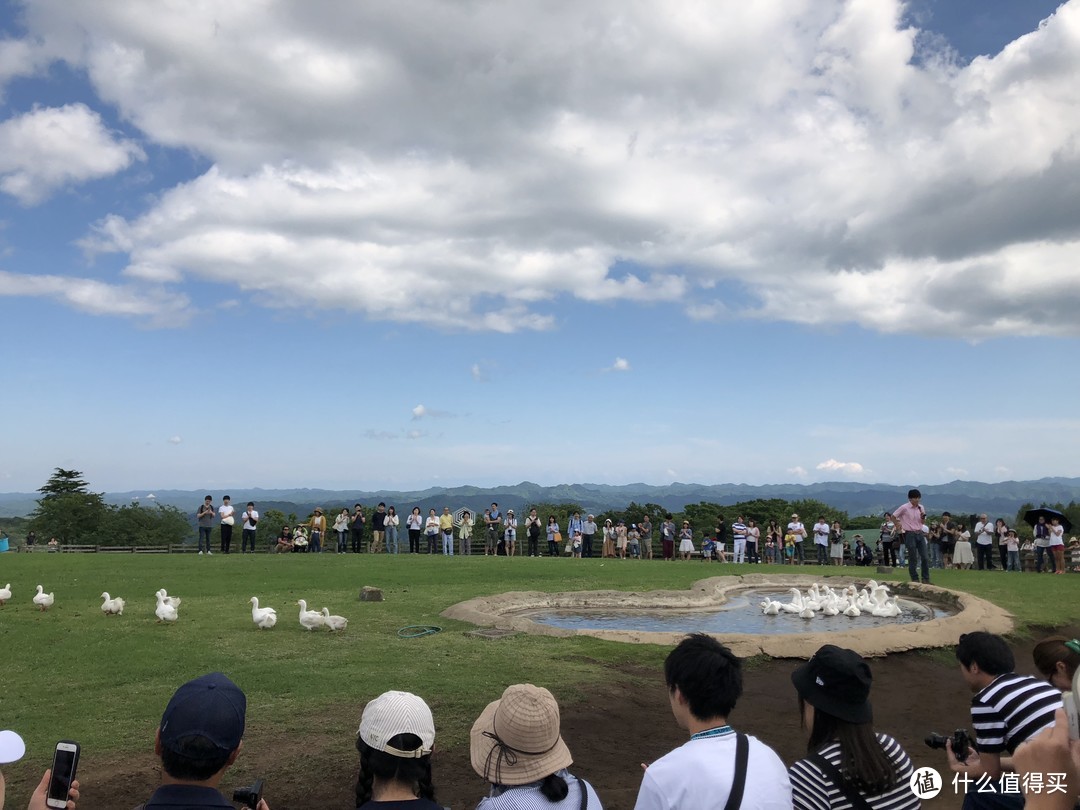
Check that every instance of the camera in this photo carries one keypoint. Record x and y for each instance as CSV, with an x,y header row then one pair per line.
x,y
961,744
249,796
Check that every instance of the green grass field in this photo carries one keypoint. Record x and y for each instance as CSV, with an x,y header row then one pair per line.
x,y
75,673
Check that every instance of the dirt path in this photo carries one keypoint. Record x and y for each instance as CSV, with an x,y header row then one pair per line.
x,y
625,722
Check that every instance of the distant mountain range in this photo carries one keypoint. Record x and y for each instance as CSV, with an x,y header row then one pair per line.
x,y
960,497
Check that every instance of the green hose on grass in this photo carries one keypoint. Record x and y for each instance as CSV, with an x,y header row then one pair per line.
x,y
418,630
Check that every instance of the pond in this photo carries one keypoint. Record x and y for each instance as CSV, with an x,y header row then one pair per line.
x,y
740,614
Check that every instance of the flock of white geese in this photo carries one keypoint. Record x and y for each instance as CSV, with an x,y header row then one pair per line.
x,y
168,609
873,599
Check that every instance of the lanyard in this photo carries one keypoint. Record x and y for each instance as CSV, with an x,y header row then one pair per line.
x,y
713,732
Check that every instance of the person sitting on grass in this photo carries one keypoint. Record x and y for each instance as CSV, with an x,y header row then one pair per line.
x,y
284,541
199,738
395,740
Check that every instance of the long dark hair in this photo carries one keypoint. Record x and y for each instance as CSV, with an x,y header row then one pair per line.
x,y
387,767
863,762
552,787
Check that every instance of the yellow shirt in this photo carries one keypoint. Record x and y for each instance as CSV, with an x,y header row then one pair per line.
x,y
446,522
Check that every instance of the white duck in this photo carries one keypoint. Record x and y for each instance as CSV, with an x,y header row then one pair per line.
x,y
831,605
334,622
264,618
770,607
796,603
44,600
171,601
112,607
888,609
806,613
309,619
165,612
5,594
852,611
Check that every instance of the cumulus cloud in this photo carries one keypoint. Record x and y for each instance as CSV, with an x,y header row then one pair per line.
x,y
620,364
798,472
49,148
477,373
175,440
845,467
419,412
416,434
100,298
501,158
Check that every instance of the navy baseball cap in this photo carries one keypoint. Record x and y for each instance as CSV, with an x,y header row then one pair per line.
x,y
212,707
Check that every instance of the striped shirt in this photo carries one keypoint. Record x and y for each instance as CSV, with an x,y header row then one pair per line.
x,y
812,790
1012,709
529,797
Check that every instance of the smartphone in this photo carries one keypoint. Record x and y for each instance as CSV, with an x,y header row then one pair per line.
x,y
65,762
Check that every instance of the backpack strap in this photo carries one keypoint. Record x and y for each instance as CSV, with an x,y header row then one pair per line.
x,y
738,783
832,773
584,792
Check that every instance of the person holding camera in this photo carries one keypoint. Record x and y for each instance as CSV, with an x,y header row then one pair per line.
x,y
199,738
12,749
395,740
847,761
1007,710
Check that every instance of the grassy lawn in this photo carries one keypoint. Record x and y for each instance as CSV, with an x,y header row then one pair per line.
x,y
75,673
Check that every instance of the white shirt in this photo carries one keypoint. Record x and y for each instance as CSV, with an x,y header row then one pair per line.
x,y
796,528
698,776
225,510
821,533
984,533
249,516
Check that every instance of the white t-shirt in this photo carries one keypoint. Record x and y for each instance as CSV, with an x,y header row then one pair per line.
x,y
1057,535
250,515
984,533
698,776
821,533
225,511
796,528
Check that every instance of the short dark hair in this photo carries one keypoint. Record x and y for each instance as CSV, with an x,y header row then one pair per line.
x,y
988,650
707,673
914,493
208,498
251,503
193,758
946,514
226,498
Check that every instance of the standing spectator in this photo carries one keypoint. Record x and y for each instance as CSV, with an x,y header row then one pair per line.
x,y
836,544
1001,530
796,529
962,556
553,537
1006,710
645,529
532,531
721,536
770,545
446,528
984,544
1042,545
933,544
31,539
247,529
753,541
316,531
620,539
465,533
704,682
1012,551
885,538
847,760
341,529
205,518
226,512
415,525
738,533
667,538
493,518
390,526
821,540
510,533
912,522
948,540
686,541
608,547
431,530
356,529
633,541
575,524
588,532
378,529
1057,546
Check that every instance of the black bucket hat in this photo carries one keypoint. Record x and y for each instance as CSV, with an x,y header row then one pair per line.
x,y
837,682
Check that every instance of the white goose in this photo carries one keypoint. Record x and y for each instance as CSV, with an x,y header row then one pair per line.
x,y
44,600
165,612
264,618
5,594
853,611
112,607
795,605
770,607
171,601
334,622
309,619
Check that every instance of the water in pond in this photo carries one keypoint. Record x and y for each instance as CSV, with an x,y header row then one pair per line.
x,y
740,614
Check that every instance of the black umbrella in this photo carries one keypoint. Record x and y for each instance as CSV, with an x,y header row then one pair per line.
x,y
1031,517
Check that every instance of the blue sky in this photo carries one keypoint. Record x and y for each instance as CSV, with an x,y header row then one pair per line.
x,y
427,244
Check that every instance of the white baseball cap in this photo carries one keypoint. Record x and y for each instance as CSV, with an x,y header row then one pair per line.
x,y
393,713
12,747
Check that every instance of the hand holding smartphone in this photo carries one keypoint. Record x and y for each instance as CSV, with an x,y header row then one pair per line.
x,y
65,763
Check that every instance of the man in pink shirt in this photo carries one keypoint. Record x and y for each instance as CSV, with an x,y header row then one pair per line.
x,y
911,517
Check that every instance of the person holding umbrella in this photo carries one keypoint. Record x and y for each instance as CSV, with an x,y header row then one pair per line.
x,y
1057,545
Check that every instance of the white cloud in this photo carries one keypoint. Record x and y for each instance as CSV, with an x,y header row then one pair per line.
x,y
477,373
175,440
49,148
99,298
798,472
419,412
503,157
416,434
845,467
620,364
957,472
